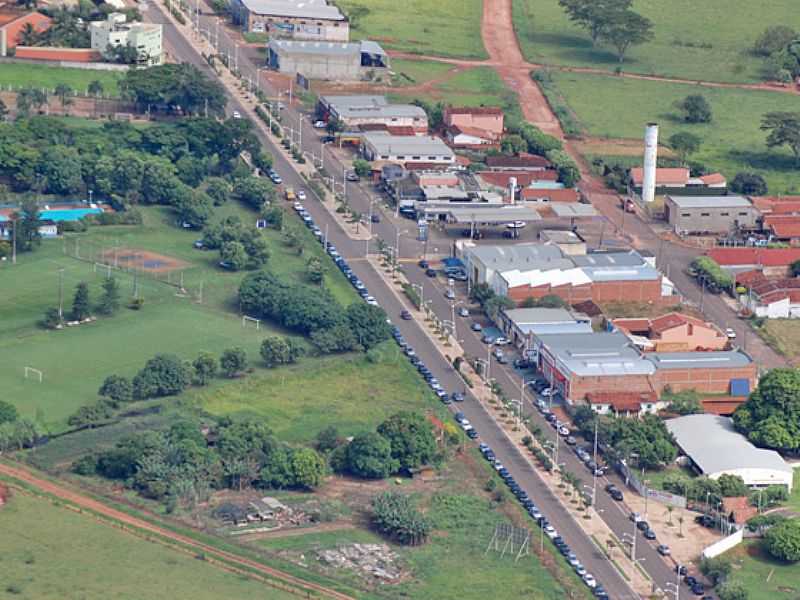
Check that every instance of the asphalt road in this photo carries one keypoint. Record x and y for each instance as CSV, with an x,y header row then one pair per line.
x,y
509,455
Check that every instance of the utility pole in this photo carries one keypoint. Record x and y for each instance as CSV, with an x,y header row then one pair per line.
x,y
594,471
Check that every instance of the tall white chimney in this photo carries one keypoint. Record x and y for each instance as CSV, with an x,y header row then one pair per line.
x,y
512,189
650,158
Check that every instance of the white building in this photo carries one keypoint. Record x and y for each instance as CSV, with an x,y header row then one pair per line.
x,y
373,110
378,145
715,449
115,31
314,20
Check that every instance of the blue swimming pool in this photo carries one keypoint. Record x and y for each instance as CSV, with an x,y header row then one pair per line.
x,y
69,214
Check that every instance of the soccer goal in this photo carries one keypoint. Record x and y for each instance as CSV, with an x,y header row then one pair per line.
x,y
31,373
253,320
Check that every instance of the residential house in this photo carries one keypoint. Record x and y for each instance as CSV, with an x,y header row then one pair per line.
x,y
13,23
772,262
314,20
520,162
47,228
678,181
473,127
621,403
673,332
116,32
773,298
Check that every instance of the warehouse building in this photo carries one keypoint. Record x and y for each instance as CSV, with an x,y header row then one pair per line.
x,y
403,149
710,214
715,448
520,325
327,60
730,372
354,111
292,19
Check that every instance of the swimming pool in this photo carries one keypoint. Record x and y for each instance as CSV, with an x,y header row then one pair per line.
x,y
69,214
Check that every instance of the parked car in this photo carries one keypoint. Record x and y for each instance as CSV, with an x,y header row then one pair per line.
x,y
502,341
730,333
351,176
463,312
488,339
617,495
236,114
320,124
589,580
649,534
570,441
424,264
663,550
430,272
457,397
301,194
405,315
476,327
450,294
642,525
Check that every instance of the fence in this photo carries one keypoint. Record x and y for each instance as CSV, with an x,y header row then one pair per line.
x,y
724,544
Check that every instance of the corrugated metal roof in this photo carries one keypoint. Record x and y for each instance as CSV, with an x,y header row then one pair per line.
x,y
309,9
327,48
597,354
715,447
723,359
418,145
361,106
710,201
572,209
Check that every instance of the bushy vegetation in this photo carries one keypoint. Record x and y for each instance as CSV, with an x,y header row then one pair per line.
x,y
771,415
709,269
783,540
396,516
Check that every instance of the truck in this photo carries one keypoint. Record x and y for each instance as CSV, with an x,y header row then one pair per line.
x,y
290,195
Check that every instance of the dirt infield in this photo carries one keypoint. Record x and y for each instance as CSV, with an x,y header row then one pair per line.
x,y
143,260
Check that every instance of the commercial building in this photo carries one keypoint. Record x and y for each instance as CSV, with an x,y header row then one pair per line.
x,y
406,149
293,19
327,60
354,111
622,403
520,325
730,372
715,448
115,32
13,23
710,214
673,332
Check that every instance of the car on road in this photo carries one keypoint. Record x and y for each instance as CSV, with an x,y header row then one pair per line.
x,y
730,333
635,517
424,264
663,550
642,525
463,312
351,176
503,359
236,115
563,431
476,327
546,392
276,179
589,580
649,534
488,339
570,441
698,589
704,520
497,353
405,315
375,218
457,397
502,341
616,494
550,531
327,139
301,194
430,272
320,124
450,294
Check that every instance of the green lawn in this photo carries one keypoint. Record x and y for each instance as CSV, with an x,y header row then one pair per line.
x,y
42,76
479,86
49,552
443,28
727,28
253,37
613,107
76,360
416,72
349,392
794,499
764,577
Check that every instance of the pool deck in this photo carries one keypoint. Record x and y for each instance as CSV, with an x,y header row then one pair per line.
x,y
7,212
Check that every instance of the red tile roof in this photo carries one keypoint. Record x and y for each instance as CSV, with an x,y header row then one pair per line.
x,y
474,110
672,320
524,179
633,324
565,195
777,204
478,132
713,179
664,176
750,277
767,257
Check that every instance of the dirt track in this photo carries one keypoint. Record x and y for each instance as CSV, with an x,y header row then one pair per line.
x,y
228,558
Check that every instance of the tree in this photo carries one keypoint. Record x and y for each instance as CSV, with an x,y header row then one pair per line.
x,y
95,88
193,208
695,109
684,403
8,412
783,540
64,93
395,515
494,305
277,350
328,439
337,338
334,126
771,415
3,111
174,85
277,470
205,368
91,415
233,361
749,184
774,39
594,15
411,439
568,172
795,268
362,167
356,13
368,324
162,375
685,143
625,29
315,271
732,589
254,191
308,467
117,388
28,98
218,189
481,292
369,455
28,222
81,306
716,569
28,35
124,54
513,144
109,301
234,255
274,216
784,129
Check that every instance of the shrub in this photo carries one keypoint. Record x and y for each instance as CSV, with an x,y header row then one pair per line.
x,y
396,516
783,540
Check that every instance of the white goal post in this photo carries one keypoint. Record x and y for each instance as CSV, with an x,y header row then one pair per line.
x,y
246,319
31,372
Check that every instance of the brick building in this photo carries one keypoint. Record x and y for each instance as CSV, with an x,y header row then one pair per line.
x,y
473,127
12,24
706,372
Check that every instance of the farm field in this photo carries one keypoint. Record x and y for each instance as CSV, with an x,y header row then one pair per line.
x,y
350,392
764,577
613,107
50,552
41,76
472,87
681,28
444,28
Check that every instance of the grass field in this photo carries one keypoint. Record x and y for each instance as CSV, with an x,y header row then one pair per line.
x,y
443,28
42,76
764,577
727,28
416,72
473,87
76,360
349,392
783,335
50,552
613,107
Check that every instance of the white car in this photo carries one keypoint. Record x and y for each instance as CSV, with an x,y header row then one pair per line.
x,y
301,194
580,570
236,115
516,225
502,341
563,431
730,333
320,124
550,532
589,580
463,312
547,392
298,207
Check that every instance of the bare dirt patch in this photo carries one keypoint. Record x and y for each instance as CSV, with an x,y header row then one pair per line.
x,y
142,260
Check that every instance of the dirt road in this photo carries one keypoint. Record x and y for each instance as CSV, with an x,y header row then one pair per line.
x,y
311,589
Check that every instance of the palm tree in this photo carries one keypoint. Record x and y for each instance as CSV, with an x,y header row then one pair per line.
x,y
28,98
95,90
669,515
28,36
64,93
680,525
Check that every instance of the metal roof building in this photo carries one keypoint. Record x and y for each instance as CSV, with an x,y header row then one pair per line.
x,y
724,359
373,110
709,214
326,60
294,19
715,448
300,9
520,324
406,148
596,354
